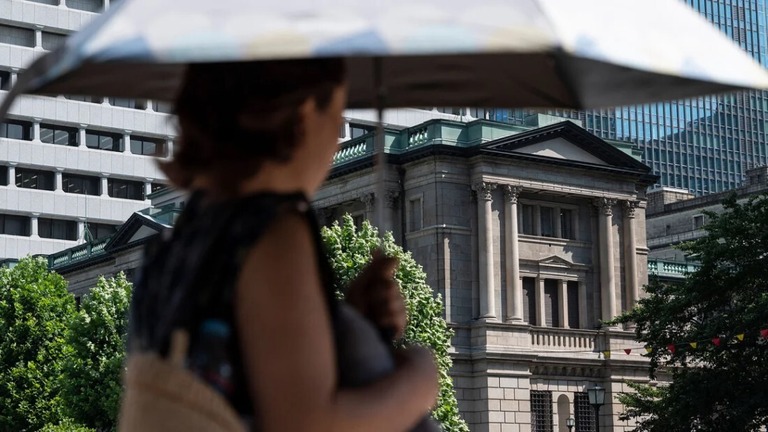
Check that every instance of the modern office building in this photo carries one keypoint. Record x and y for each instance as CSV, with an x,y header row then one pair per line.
x,y
703,145
76,168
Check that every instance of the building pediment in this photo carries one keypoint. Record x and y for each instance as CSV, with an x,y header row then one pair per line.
x,y
565,143
555,261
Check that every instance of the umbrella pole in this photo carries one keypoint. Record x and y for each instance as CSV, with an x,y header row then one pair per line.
x,y
379,147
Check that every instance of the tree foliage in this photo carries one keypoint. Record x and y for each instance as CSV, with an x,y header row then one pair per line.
x,y
350,249
713,388
92,375
35,310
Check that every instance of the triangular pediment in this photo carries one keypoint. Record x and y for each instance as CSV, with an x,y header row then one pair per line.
x,y
137,228
555,261
567,143
561,148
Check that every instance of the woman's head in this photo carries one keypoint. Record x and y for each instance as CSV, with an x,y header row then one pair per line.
x,y
237,119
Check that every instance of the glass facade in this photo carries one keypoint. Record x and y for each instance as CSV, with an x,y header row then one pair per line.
x,y
705,144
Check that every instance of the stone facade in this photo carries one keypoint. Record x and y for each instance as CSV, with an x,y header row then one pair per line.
x,y
530,240
531,236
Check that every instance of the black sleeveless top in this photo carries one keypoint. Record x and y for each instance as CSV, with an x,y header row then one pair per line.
x,y
189,275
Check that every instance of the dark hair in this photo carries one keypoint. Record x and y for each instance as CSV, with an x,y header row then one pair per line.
x,y
234,116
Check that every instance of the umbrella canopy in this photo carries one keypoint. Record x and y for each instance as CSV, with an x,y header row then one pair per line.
x,y
494,53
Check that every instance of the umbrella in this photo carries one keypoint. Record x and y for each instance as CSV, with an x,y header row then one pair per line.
x,y
494,53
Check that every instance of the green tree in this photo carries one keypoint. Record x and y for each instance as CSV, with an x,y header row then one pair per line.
x,y
718,384
350,249
35,310
92,376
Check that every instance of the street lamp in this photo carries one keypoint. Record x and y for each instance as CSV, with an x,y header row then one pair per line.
x,y
597,399
570,423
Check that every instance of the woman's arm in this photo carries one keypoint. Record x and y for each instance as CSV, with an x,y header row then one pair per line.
x,y
287,344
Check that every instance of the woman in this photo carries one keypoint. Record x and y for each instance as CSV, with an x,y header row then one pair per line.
x,y
244,262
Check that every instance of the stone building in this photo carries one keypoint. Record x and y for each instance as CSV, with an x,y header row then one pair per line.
x,y
532,236
676,215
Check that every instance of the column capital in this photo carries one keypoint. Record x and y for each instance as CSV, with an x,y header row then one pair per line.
x,y
392,199
512,193
605,204
484,190
59,169
368,199
630,207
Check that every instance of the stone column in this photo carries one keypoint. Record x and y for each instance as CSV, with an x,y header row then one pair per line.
x,y
562,295
14,76
485,245
369,200
36,129
81,135
607,272
558,223
59,181
514,285
127,142
150,106
104,184
106,4
541,310
391,204
63,3
583,323
12,175
537,220
630,253
34,226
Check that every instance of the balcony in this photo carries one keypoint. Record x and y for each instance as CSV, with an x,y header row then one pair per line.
x,y
77,254
543,338
671,270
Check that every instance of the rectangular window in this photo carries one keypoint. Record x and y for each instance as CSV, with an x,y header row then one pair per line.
x,y
163,107
551,303
584,413
96,231
80,184
698,222
527,225
126,189
147,146
566,224
574,319
529,300
547,221
18,36
3,176
34,179
15,129
542,418
14,225
52,41
57,229
59,135
103,141
5,80
415,214
157,186
358,130
91,99
85,5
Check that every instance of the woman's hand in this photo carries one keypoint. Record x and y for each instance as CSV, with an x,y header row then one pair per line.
x,y
376,295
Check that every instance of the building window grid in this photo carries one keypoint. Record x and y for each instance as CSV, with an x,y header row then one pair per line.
x,y
125,189
542,416
80,184
16,129
59,135
147,146
14,225
584,413
34,179
106,141
57,229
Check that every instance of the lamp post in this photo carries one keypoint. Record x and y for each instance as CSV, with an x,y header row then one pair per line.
x,y
597,399
570,423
